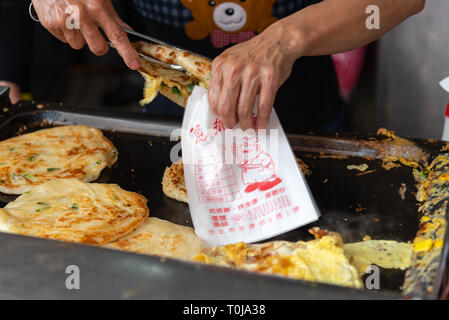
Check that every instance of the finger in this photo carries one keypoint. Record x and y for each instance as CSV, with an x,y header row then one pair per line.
x,y
227,104
216,83
119,39
267,96
58,34
55,30
14,90
95,40
74,38
246,102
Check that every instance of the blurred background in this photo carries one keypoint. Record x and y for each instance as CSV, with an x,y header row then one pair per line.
x,y
392,83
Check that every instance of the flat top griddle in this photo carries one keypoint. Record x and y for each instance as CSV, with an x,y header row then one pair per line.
x,y
352,205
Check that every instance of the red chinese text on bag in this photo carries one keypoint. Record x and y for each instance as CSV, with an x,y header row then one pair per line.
x,y
241,186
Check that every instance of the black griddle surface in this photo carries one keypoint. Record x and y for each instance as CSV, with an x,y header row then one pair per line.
x,y
354,206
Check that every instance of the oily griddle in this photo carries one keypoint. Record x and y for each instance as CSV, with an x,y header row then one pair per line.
x,y
352,205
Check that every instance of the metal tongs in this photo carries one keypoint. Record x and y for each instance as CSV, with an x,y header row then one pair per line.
x,y
151,39
34,16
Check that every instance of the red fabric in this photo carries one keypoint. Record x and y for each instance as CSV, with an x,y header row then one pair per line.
x,y
348,66
221,39
447,111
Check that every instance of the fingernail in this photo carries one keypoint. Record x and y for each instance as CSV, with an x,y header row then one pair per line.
x,y
135,64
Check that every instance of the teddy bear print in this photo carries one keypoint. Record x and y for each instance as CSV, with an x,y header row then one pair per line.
x,y
228,21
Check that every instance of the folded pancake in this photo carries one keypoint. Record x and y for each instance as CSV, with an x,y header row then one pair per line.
x,y
320,260
75,211
197,66
162,238
175,85
31,159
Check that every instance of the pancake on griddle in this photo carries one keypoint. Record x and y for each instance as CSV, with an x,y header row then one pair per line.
x,y
162,238
31,159
75,211
173,183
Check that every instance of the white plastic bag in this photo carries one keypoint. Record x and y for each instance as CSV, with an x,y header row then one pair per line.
x,y
241,187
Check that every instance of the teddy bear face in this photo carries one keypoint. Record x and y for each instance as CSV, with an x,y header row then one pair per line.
x,y
230,16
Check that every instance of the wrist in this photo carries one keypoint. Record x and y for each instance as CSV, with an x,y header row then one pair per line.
x,y
290,37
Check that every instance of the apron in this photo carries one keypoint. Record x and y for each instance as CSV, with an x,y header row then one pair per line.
x,y
309,99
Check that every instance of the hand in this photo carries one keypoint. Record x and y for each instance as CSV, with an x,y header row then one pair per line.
x,y
14,91
54,15
255,67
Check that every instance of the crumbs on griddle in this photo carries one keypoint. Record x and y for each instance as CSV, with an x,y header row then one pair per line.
x,y
433,193
397,149
303,167
366,172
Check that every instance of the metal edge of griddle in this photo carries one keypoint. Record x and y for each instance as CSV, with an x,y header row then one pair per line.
x,y
36,269
340,146
156,125
359,145
160,125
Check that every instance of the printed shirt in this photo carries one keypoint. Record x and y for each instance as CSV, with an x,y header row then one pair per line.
x,y
224,22
309,99
173,13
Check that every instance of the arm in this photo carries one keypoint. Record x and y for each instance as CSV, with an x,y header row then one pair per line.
x,y
261,65
335,26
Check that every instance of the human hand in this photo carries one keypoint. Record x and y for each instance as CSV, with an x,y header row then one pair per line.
x,y
76,22
255,67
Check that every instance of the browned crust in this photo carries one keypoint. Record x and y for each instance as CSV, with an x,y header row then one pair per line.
x,y
197,66
173,183
93,222
24,157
